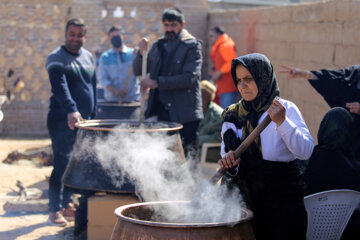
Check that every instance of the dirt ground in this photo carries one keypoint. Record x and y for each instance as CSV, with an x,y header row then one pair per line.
x,y
26,225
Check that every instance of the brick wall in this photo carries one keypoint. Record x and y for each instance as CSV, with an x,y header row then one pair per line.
x,y
311,35
31,29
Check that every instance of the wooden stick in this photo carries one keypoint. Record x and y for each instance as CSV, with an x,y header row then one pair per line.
x,y
143,95
243,146
126,83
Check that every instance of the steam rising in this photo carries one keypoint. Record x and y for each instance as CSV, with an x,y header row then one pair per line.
x,y
160,174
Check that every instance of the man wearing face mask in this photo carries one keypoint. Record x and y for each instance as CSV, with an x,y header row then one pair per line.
x,y
174,67
115,70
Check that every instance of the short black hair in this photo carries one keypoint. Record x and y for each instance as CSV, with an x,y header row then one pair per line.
x,y
79,22
116,28
173,14
218,30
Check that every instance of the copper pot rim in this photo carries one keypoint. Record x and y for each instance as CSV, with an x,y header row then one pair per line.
x,y
119,213
97,125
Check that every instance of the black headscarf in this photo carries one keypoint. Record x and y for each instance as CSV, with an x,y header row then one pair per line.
x,y
263,73
333,164
336,131
246,114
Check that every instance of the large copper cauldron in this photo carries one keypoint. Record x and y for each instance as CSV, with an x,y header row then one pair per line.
x,y
135,222
115,110
85,172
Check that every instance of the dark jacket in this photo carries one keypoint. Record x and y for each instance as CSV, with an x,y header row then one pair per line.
x,y
339,87
333,164
180,88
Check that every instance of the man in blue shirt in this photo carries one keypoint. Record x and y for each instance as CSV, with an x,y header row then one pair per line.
x,y
71,70
115,70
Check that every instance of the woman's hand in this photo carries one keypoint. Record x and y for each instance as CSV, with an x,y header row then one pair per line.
x,y
297,72
354,107
229,160
277,112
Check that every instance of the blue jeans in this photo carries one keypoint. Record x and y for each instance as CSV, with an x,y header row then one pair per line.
x,y
226,99
62,142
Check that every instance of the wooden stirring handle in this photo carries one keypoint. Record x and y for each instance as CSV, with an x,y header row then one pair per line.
x,y
144,96
243,146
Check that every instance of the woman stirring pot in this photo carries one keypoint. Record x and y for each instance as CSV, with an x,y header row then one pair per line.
x,y
267,173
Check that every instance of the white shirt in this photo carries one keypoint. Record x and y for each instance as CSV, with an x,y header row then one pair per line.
x,y
285,143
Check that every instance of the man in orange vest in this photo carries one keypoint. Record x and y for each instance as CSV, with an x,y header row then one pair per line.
x,y
222,52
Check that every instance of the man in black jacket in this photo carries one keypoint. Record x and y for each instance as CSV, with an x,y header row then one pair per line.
x,y
174,66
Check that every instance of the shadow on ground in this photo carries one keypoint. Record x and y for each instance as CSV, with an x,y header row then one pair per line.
x,y
66,233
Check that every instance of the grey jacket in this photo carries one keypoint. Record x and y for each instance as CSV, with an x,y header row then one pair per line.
x,y
181,87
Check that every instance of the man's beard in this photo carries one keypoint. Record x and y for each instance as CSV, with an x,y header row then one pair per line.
x,y
170,35
73,47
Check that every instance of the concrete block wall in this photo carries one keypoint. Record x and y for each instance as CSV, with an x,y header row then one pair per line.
x,y
310,35
31,29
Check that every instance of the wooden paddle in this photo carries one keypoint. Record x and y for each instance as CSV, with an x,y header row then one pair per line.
x,y
243,146
126,83
143,95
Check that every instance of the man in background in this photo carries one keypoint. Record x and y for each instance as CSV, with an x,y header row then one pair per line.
x,y
174,66
222,52
71,70
115,70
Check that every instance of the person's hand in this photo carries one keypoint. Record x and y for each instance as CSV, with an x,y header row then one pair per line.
x,y
136,49
121,93
146,83
229,160
216,76
277,112
296,72
74,117
354,107
143,45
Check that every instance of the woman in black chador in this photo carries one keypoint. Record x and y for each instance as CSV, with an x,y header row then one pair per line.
x,y
333,165
340,88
